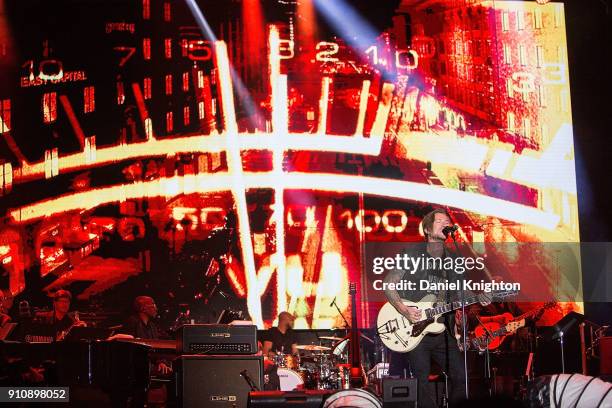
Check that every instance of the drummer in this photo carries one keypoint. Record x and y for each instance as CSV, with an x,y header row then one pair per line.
x,y
282,338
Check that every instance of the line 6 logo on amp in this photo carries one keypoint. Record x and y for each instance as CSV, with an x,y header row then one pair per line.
x,y
222,398
220,335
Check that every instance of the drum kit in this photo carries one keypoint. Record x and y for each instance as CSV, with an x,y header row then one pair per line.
x,y
317,367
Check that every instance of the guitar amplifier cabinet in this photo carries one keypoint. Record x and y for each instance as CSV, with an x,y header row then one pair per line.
x,y
216,381
399,392
217,339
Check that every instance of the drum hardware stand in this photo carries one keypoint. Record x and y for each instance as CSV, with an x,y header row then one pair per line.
x,y
494,382
529,369
445,393
583,361
463,324
405,374
562,327
488,336
596,332
526,378
245,374
347,326
562,351
381,350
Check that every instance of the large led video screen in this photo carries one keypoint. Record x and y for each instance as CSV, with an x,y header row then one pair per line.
x,y
241,157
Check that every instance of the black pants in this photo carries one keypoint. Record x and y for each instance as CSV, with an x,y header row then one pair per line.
x,y
443,349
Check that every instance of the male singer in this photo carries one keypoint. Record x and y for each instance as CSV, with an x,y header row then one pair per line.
x,y
442,347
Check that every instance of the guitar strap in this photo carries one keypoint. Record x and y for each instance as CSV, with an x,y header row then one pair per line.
x,y
444,296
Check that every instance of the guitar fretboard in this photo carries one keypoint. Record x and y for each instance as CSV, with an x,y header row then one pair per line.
x,y
497,333
449,307
534,312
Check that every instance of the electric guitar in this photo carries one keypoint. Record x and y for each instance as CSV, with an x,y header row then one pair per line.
x,y
401,335
491,335
494,333
77,322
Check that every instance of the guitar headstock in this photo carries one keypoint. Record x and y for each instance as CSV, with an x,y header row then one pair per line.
x,y
513,326
537,313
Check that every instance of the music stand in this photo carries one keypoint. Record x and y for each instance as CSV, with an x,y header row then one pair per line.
x,y
562,327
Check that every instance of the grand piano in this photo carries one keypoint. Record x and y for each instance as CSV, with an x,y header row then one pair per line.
x,y
121,369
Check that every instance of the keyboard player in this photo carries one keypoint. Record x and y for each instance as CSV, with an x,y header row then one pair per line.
x,y
58,322
141,325
6,302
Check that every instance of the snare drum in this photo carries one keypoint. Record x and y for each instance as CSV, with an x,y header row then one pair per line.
x,y
289,379
352,398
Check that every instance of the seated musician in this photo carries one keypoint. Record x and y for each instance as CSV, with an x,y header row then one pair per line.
x,y
59,321
142,325
498,312
501,314
281,338
494,315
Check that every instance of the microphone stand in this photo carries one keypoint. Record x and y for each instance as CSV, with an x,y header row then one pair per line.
x,y
245,374
463,324
488,336
346,323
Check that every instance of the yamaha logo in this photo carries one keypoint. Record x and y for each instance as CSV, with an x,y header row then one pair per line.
x,y
222,398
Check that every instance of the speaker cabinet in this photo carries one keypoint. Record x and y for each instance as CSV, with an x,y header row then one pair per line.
x,y
304,399
399,392
216,381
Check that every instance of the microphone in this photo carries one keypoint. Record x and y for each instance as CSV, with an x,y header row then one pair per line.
x,y
333,301
451,229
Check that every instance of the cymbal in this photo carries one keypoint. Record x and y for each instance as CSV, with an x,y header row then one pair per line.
x,y
331,338
312,347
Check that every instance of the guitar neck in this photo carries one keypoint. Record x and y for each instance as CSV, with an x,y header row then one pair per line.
x,y
449,307
357,375
533,312
499,332
355,351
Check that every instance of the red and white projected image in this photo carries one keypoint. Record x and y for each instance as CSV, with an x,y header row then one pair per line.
x,y
240,157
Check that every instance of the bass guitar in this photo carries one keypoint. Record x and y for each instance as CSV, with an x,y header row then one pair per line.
x,y
492,334
401,335
358,377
